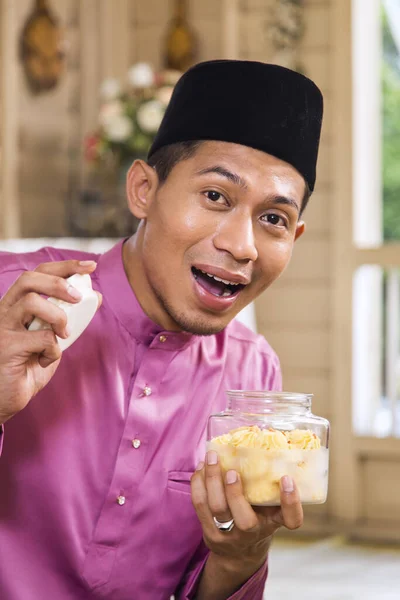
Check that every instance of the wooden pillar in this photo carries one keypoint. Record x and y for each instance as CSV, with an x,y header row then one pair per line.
x,y
9,201
230,29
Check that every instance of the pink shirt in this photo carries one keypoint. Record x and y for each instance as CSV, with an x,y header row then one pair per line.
x,y
95,473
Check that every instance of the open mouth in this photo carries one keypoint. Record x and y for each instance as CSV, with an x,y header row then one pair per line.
x,y
215,285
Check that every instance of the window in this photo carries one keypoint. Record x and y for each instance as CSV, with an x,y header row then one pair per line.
x,y
376,217
376,351
390,93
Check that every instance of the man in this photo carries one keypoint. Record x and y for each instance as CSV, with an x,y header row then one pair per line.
x,y
98,498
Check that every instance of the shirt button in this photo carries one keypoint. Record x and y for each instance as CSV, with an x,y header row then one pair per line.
x,y
147,391
163,338
121,500
136,443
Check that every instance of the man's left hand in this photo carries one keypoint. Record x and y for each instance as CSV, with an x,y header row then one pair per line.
x,y
222,497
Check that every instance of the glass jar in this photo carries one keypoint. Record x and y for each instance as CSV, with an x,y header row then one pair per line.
x,y
266,435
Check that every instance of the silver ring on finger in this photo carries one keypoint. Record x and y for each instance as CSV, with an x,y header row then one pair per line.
x,y
224,525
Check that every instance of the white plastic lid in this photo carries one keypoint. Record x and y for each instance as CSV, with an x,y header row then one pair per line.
x,y
78,315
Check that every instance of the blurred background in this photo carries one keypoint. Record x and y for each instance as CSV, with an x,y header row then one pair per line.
x,y
84,84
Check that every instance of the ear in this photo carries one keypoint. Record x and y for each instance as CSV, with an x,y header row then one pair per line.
x,y
141,184
300,229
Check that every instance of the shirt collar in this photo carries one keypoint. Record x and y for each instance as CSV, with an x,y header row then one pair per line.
x,y
120,297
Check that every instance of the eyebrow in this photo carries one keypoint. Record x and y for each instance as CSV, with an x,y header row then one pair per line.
x,y
233,177
286,201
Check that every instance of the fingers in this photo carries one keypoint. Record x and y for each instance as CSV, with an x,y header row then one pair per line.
x,y
200,499
51,350
32,305
43,343
290,514
215,486
221,497
242,512
65,268
48,279
291,508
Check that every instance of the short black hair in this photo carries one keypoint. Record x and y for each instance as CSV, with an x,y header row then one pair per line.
x,y
167,157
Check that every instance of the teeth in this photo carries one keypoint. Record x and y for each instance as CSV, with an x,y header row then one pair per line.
x,y
219,279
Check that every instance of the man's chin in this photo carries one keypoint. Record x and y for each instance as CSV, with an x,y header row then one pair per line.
x,y
200,325
196,321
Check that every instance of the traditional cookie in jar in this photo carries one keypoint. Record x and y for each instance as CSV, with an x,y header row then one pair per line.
x,y
266,435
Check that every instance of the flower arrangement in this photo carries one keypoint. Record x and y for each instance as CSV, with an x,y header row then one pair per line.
x,y
129,118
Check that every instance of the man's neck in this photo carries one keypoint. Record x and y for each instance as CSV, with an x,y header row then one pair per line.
x,y
134,269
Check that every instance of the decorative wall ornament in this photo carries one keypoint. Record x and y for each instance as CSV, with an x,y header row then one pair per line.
x,y
286,31
180,46
42,49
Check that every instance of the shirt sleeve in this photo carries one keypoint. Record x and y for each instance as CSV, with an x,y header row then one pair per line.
x,y
1,426
252,589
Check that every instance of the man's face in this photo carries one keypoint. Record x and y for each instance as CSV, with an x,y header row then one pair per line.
x,y
216,234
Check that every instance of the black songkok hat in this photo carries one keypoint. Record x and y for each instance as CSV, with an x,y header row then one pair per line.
x,y
263,106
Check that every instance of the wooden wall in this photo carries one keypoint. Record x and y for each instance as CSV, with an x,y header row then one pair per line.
x,y
47,136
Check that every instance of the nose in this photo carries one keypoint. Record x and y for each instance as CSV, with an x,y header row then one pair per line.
x,y
235,235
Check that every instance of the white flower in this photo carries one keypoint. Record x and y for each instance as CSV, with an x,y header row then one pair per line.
x,y
110,89
164,94
149,116
119,129
109,111
141,75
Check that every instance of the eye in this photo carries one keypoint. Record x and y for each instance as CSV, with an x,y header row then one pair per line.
x,y
214,196
275,219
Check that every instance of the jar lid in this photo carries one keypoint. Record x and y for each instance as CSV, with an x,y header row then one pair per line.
x,y
79,315
264,401
267,395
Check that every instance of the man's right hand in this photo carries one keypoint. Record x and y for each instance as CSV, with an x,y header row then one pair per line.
x,y
29,359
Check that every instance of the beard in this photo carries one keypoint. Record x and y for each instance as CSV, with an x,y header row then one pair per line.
x,y
196,326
